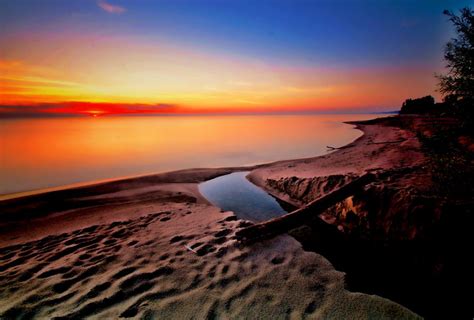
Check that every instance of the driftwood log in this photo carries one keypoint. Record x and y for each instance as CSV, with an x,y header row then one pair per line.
x,y
298,217
387,142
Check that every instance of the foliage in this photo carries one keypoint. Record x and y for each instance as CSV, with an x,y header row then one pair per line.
x,y
459,56
458,84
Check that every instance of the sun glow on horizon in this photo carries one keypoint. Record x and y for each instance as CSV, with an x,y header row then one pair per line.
x,y
95,113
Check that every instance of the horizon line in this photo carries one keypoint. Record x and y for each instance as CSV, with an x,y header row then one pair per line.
x,y
191,114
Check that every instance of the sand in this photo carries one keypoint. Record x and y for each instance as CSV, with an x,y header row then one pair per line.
x,y
381,147
153,247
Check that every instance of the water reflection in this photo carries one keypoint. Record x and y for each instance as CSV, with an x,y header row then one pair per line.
x,y
233,192
40,153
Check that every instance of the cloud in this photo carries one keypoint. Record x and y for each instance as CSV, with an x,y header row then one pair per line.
x,y
80,108
110,8
10,64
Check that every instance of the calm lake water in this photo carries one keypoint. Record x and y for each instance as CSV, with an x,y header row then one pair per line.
x,y
233,192
43,153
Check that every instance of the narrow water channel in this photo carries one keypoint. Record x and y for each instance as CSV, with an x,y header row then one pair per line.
x,y
233,192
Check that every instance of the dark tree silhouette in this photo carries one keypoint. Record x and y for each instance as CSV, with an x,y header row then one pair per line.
x,y
458,84
418,106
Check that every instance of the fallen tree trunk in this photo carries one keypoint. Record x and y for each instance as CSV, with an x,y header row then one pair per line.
x,y
387,142
298,217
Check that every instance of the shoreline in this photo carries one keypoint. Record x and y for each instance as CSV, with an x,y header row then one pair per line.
x,y
96,182
144,246
371,151
181,182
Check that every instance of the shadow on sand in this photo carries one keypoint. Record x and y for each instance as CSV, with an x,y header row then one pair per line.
x,y
433,278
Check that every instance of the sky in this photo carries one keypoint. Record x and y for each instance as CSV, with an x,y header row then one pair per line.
x,y
99,57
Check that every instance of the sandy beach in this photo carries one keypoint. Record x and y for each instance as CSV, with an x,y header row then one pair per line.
x,y
153,247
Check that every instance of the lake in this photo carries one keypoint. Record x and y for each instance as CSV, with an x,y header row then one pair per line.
x,y
45,153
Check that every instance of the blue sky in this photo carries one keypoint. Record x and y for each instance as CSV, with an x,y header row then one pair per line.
x,y
315,31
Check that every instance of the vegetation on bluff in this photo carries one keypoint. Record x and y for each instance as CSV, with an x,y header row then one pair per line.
x,y
457,85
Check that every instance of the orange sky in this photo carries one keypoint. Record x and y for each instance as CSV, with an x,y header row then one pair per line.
x,y
93,74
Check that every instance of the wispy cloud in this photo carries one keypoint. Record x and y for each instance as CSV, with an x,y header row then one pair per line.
x,y
37,81
79,108
110,8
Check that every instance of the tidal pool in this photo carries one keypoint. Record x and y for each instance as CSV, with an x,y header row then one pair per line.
x,y
233,192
